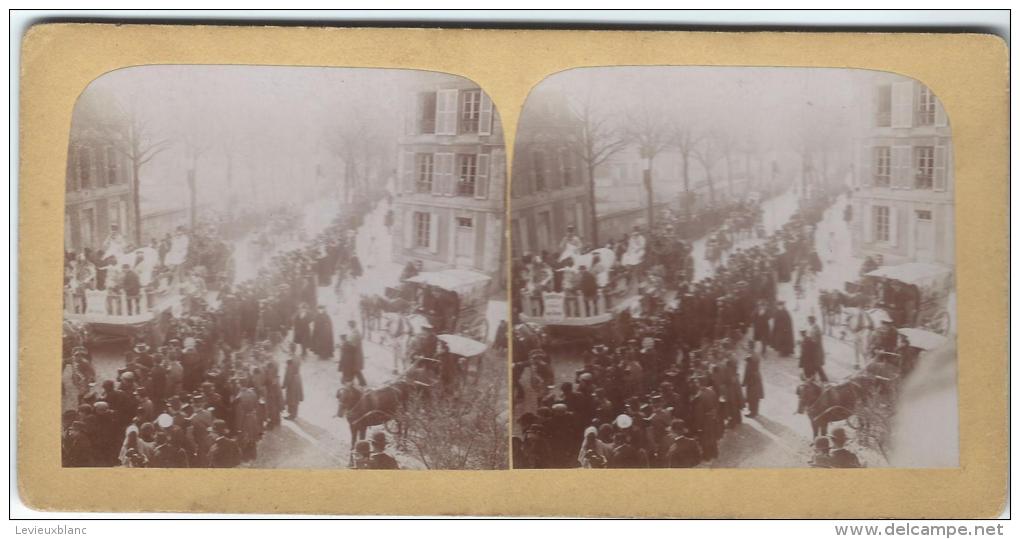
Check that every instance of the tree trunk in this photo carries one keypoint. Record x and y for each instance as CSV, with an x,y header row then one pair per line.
x,y
136,202
729,173
192,199
230,187
687,186
594,216
651,196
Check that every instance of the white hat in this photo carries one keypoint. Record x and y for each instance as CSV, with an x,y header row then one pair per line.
x,y
623,421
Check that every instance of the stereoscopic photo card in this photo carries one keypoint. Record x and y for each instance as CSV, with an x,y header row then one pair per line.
x,y
512,272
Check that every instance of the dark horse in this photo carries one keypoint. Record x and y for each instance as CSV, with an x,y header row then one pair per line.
x,y
828,403
365,408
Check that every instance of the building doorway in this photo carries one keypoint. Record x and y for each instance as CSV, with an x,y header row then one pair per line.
x,y
924,236
465,250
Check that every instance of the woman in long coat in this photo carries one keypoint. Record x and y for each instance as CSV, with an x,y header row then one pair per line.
x,y
322,335
753,386
782,331
293,387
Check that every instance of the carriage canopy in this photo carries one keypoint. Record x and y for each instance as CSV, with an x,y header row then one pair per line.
x,y
463,346
923,339
920,274
456,280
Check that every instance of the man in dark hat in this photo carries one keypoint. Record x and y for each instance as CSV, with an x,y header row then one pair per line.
x,y
348,360
224,452
302,324
293,387
754,388
840,456
684,451
379,458
76,448
361,455
706,417
354,336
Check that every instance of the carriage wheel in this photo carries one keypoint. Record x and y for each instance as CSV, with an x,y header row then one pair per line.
x,y
392,426
941,323
857,421
482,330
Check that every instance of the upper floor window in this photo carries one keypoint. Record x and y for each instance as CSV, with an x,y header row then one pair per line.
x,y
424,164
426,113
422,230
925,112
84,167
452,112
467,173
470,110
883,106
881,223
924,166
882,157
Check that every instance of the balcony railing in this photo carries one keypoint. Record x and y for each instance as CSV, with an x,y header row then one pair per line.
x,y
109,302
572,305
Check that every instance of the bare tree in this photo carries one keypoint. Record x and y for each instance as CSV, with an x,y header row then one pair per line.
x,y
193,148
685,141
647,128
138,144
462,430
595,139
356,142
709,153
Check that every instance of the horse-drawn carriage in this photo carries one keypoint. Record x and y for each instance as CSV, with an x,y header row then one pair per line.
x,y
916,299
454,300
916,295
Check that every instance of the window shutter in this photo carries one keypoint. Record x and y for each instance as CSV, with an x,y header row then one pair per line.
x,y
901,167
941,120
412,113
941,167
893,226
409,170
433,232
868,223
867,166
439,167
482,177
902,104
485,115
446,112
408,217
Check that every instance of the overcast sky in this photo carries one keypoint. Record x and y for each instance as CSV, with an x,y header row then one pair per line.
x,y
274,118
770,104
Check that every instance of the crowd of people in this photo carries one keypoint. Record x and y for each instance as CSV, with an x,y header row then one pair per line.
x,y
199,388
661,386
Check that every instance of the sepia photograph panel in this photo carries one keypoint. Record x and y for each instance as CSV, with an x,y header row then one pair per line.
x,y
276,267
733,268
